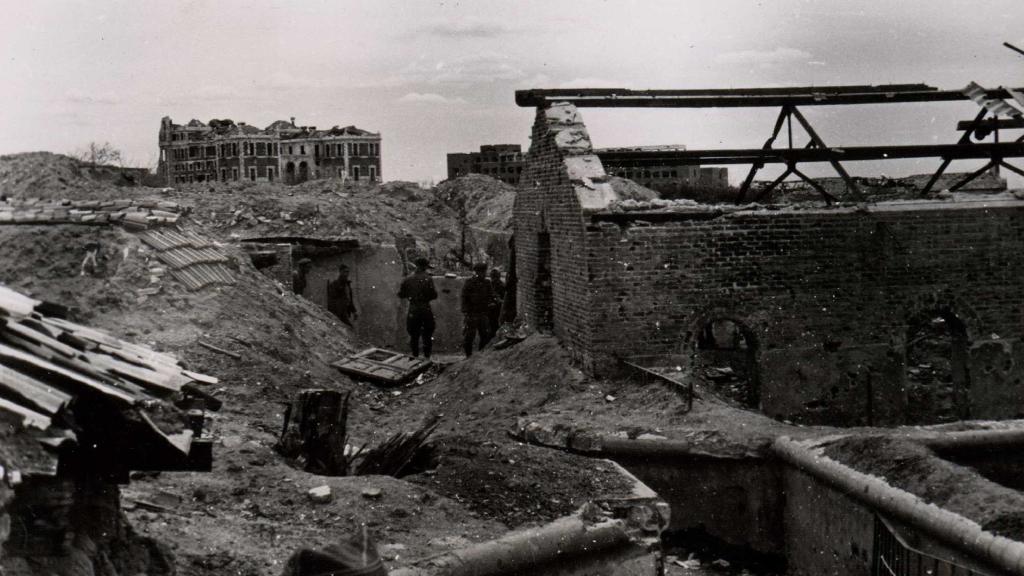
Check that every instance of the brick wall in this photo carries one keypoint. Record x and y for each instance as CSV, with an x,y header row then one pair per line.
x,y
827,295
550,200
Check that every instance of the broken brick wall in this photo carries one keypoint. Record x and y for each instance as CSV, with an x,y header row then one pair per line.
x,y
562,179
828,296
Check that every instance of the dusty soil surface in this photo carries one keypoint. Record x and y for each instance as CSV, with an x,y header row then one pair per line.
x,y
916,469
251,511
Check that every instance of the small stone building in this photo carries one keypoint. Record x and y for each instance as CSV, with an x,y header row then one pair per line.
x,y
823,305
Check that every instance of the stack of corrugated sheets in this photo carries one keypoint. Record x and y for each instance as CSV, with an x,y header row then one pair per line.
x,y
193,260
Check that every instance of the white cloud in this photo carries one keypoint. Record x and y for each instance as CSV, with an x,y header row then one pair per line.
x,y
104,98
483,67
464,28
430,98
592,82
764,58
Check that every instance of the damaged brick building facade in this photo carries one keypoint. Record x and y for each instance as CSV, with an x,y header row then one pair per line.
x,y
500,161
825,299
282,152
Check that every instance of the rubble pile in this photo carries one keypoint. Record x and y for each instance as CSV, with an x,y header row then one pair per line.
x,y
482,200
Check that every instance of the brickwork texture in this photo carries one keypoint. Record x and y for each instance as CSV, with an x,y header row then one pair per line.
x,y
827,295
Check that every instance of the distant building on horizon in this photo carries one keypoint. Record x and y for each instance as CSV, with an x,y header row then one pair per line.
x,y
226,151
500,161
670,180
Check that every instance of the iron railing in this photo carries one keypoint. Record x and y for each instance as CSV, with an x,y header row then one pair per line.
x,y
894,557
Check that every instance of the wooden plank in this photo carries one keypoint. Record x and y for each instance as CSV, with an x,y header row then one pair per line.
x,y
17,356
29,417
15,303
41,396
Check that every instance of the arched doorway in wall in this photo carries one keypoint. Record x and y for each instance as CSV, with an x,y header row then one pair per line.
x,y
543,297
289,173
303,171
936,372
726,361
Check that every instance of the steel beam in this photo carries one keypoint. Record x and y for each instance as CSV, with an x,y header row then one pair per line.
x,y
653,158
622,98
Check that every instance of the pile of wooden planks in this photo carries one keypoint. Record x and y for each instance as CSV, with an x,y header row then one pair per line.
x,y
132,214
50,366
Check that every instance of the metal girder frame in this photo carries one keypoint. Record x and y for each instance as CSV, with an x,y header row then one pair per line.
x,y
787,114
789,99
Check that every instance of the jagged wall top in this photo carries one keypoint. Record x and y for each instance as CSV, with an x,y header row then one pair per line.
x,y
565,127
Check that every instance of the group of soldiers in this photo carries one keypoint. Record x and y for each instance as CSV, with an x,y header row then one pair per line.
x,y
481,301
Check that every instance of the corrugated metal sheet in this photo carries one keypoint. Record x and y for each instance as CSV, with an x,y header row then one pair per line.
x,y
994,105
193,260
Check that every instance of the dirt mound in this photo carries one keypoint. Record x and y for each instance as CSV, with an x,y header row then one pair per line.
x,y
916,469
56,176
626,189
481,201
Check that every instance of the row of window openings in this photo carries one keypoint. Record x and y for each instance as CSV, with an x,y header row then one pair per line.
x,y
648,174
271,149
269,174
501,170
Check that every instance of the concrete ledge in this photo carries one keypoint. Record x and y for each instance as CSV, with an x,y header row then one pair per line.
x,y
607,537
952,529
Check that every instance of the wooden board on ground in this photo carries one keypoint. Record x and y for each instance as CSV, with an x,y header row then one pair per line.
x,y
380,366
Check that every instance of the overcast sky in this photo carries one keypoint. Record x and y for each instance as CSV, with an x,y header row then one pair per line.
x,y
438,77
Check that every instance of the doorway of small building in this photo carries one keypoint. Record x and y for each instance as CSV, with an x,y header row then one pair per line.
x,y
726,355
543,296
936,375
289,173
303,171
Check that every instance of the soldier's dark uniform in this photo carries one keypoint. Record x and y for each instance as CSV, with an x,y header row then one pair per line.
x,y
419,290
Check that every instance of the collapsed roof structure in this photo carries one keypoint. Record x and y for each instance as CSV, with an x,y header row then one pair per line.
x,y
80,400
788,100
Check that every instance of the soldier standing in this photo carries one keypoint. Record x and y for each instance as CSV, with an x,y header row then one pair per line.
x,y
418,289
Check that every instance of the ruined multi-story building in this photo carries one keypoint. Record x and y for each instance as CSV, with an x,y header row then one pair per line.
x,y
225,151
671,180
500,161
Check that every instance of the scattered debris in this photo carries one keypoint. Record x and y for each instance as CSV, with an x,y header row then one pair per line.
x,y
218,350
381,366
371,492
315,433
393,456
320,494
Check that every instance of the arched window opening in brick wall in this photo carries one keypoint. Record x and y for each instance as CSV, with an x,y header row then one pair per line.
x,y
726,361
936,369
